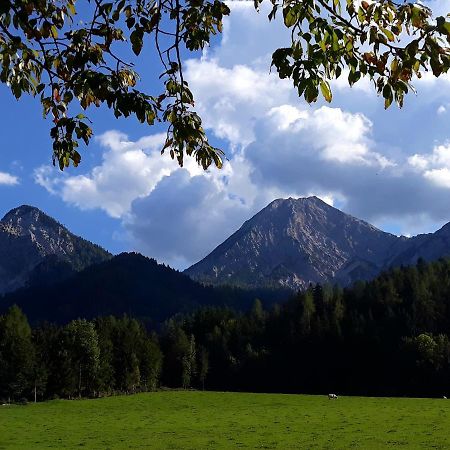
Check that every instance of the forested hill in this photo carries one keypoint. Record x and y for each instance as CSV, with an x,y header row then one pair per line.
x,y
128,284
389,336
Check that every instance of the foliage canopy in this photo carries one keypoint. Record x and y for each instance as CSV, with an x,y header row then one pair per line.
x,y
47,51
387,336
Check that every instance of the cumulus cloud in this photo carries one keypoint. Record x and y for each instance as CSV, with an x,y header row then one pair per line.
x,y
373,164
8,180
440,157
435,166
231,100
129,170
187,216
365,184
184,218
208,207
331,133
440,177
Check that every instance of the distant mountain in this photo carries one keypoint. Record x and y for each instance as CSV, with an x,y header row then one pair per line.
x,y
429,247
131,284
291,243
294,242
34,248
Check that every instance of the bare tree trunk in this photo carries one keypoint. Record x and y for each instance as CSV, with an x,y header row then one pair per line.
x,y
35,392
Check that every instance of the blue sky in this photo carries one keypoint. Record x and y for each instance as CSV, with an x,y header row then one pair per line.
x,y
391,168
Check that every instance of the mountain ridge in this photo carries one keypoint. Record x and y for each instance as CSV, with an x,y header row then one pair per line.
x,y
131,284
294,242
28,236
288,244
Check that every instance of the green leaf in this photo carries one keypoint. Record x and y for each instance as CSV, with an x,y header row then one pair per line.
x,y
326,90
136,39
290,17
388,97
71,7
311,93
40,88
388,34
54,31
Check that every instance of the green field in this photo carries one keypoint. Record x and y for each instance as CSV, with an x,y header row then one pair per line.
x,y
201,420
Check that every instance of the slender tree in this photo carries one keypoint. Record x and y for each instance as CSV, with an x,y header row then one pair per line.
x,y
84,349
16,355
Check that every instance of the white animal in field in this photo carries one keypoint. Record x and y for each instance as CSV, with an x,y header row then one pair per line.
x,y
444,397
332,397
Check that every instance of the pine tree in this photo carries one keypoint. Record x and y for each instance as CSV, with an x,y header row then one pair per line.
x,y
188,364
16,355
150,363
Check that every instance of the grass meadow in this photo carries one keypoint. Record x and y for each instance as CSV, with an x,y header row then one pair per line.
x,y
213,420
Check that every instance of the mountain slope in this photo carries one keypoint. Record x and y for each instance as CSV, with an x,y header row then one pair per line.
x,y
128,283
28,237
429,247
294,242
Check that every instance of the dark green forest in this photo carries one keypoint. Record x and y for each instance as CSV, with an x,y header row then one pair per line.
x,y
388,336
127,283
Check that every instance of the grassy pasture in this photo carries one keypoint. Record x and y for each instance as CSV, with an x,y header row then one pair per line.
x,y
212,420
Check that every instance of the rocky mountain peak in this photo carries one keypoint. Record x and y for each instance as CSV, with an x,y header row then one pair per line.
x,y
302,202
24,219
28,236
293,242
22,211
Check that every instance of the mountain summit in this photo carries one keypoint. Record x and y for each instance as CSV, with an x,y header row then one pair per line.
x,y
32,243
294,242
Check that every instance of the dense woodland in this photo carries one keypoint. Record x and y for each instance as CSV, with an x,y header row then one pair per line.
x,y
127,283
389,336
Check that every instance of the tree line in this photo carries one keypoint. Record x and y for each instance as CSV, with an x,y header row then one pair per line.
x,y
388,336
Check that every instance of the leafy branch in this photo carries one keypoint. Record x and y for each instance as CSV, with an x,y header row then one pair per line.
x,y
388,42
72,65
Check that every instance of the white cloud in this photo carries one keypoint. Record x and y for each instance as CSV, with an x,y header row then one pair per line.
x,y
186,216
129,170
334,134
435,166
234,100
208,207
440,177
419,162
230,100
249,38
352,154
8,179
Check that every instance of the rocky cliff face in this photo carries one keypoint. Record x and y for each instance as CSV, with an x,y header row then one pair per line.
x,y
295,242
29,238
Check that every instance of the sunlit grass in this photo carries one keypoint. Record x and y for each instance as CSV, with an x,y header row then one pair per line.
x,y
202,420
